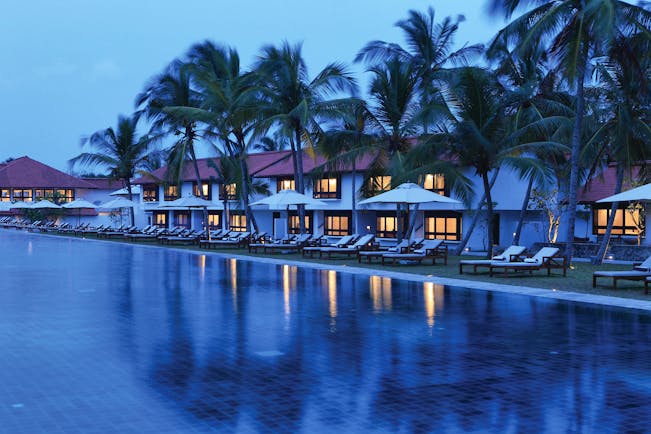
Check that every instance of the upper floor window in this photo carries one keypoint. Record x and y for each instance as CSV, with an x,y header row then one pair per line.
x,y
230,190
5,195
64,195
327,188
23,194
205,190
150,193
435,183
171,192
285,184
443,225
378,184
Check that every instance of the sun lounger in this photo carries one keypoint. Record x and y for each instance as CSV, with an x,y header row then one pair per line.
x,y
295,245
188,238
546,258
639,272
364,242
430,249
510,254
238,239
403,246
343,242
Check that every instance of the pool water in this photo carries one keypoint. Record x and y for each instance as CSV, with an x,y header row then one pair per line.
x,y
104,337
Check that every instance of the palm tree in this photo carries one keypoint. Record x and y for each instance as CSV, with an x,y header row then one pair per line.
x,y
173,88
119,150
574,31
292,101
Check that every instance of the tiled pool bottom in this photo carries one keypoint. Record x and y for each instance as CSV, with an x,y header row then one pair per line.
x,y
96,337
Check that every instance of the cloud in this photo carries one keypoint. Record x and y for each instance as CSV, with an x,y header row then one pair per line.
x,y
105,68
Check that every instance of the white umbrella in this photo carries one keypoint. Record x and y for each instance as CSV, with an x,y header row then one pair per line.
x,y
21,205
642,194
408,193
135,189
5,206
44,204
79,204
188,202
119,203
287,198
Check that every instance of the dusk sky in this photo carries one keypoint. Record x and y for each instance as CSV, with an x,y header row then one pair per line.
x,y
69,68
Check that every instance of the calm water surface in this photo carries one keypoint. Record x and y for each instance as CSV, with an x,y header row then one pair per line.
x,y
99,337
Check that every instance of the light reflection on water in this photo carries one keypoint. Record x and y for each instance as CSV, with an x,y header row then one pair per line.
x,y
196,342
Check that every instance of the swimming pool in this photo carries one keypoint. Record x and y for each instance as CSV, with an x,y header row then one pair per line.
x,y
103,337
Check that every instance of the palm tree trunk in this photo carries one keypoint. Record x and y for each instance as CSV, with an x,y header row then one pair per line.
x,y
131,212
244,168
354,199
489,208
574,165
299,179
603,247
197,175
523,212
475,218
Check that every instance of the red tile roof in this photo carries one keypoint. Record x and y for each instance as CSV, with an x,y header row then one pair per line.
x,y
104,183
601,186
261,165
24,172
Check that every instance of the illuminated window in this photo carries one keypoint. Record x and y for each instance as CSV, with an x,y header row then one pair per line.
x,y
64,195
214,219
150,193
182,218
237,221
378,184
205,189
327,188
294,226
160,219
337,224
627,222
285,184
443,225
386,225
43,193
171,192
22,194
5,195
435,183
230,190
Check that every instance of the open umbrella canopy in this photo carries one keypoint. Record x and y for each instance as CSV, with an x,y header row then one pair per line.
x,y
79,204
285,198
120,202
44,204
21,205
188,202
6,206
642,194
135,189
408,193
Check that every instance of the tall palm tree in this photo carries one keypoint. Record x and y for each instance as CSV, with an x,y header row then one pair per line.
x,y
291,101
173,88
121,151
574,31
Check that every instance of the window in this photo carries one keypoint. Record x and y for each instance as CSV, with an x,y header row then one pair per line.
x,y
237,222
285,184
626,221
205,189
160,219
150,193
230,190
435,183
5,195
64,195
41,193
386,225
171,192
182,218
294,226
443,225
327,188
23,194
337,224
378,184
214,220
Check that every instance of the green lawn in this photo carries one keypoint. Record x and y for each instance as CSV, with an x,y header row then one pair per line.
x,y
579,277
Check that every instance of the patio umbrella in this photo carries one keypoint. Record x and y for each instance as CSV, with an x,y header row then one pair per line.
x,y
639,194
286,198
44,204
135,189
79,204
119,203
21,205
190,202
408,193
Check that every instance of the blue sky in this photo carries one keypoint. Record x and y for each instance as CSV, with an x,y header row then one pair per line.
x,y
68,68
